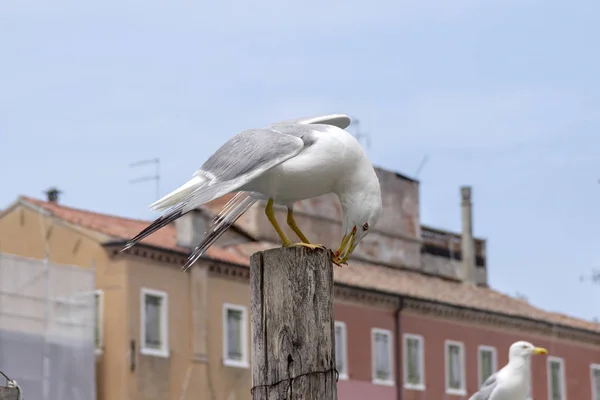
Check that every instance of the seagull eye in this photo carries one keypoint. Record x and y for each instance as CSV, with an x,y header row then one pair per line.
x,y
524,346
365,226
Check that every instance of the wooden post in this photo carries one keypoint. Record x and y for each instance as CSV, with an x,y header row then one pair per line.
x,y
9,393
293,354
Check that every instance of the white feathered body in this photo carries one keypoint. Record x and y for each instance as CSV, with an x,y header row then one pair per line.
x,y
313,172
512,384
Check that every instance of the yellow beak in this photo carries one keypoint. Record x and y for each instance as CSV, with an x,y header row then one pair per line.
x,y
347,246
351,247
540,350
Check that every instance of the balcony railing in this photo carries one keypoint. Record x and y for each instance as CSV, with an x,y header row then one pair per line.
x,y
448,244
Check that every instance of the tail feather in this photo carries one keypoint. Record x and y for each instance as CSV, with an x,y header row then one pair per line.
x,y
230,213
154,226
178,194
195,198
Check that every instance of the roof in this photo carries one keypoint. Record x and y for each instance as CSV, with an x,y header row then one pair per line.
x,y
384,279
427,287
126,228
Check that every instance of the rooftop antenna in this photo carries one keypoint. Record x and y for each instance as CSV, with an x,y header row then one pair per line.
x,y
155,177
421,165
358,134
594,276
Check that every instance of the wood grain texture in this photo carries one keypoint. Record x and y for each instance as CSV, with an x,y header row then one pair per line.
x,y
7,393
293,354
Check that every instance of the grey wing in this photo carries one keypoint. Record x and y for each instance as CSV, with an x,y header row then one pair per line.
x,y
487,388
251,152
340,120
241,159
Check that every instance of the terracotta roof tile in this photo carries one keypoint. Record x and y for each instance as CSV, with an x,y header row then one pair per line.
x,y
126,228
356,274
414,284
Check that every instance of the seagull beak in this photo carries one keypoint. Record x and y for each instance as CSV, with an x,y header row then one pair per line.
x,y
351,247
540,350
347,238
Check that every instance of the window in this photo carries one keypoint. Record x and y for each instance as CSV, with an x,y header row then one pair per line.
x,y
98,321
235,339
381,347
154,321
341,350
595,377
414,371
487,362
455,368
556,379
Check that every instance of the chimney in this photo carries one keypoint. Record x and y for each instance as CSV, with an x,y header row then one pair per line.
x,y
190,228
467,242
52,195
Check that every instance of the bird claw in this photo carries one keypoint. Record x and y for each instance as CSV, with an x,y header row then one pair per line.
x,y
309,245
337,260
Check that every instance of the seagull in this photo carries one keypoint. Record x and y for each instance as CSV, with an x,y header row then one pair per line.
x,y
512,381
285,162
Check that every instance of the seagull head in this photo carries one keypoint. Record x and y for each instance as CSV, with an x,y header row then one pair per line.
x,y
362,210
524,350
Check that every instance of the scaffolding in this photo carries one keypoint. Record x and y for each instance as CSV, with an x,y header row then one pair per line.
x,y
47,328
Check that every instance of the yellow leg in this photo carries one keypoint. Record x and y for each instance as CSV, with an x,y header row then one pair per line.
x,y
292,223
271,216
286,242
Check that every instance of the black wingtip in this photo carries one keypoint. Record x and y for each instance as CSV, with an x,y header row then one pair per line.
x,y
153,227
129,245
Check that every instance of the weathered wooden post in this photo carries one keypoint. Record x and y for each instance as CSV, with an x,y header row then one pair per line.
x,y
293,354
9,393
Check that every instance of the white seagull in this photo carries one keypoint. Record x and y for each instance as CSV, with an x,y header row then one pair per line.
x,y
283,163
512,381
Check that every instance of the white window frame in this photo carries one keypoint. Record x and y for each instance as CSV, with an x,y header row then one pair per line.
x,y
492,350
419,338
595,394
99,320
462,391
563,382
164,350
243,363
341,324
386,382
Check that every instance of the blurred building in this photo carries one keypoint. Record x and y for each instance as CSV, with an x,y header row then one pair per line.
x,y
415,316
47,328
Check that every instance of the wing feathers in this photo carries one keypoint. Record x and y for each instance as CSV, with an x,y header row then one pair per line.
x,y
487,388
240,160
237,206
340,120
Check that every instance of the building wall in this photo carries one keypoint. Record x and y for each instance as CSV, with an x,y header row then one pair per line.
x,y
359,320
27,233
577,356
157,377
227,382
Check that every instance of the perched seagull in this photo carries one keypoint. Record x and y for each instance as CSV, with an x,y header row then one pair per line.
x,y
512,381
283,163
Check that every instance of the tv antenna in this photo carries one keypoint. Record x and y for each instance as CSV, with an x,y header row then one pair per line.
x,y
593,277
421,165
145,178
358,134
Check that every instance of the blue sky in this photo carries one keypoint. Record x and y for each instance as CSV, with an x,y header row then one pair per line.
x,y
500,95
